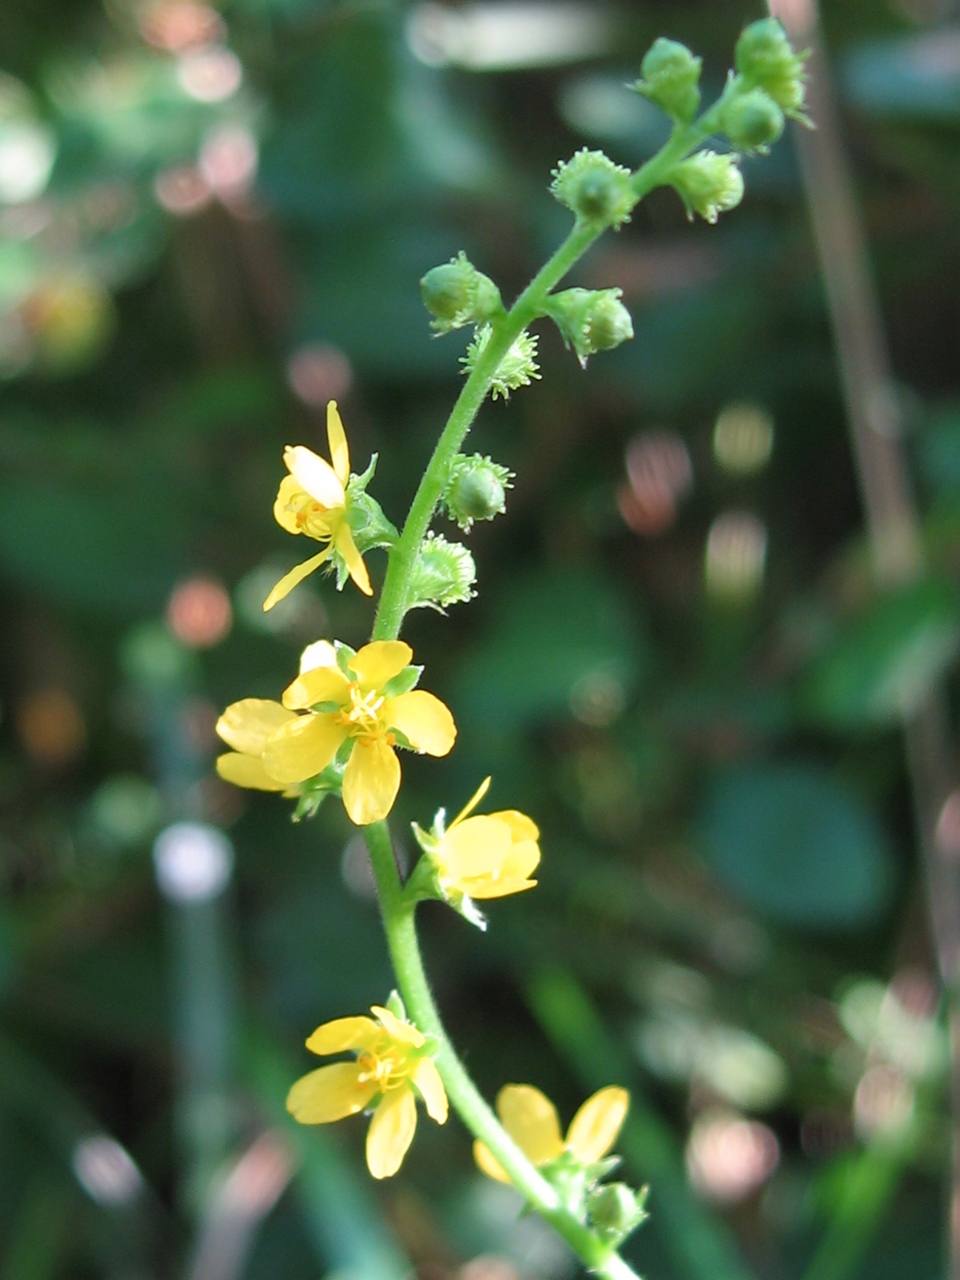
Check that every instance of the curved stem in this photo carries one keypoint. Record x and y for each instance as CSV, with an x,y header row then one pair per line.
x,y
400,928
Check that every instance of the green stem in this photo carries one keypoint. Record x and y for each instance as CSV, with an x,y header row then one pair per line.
x,y
398,922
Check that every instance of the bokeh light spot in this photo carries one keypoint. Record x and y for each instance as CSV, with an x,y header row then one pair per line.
x,y
193,862
228,160
105,1171
317,373
199,613
659,474
210,74
736,554
743,439
51,727
176,25
729,1158
182,190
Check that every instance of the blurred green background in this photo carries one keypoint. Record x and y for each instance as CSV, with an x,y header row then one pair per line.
x,y
211,222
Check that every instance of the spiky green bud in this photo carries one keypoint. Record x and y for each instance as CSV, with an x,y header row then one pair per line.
x,y
476,489
670,78
708,184
456,294
444,574
765,60
752,120
590,320
614,1210
517,368
594,188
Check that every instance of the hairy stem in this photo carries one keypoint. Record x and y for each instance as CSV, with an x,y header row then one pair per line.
x,y
400,928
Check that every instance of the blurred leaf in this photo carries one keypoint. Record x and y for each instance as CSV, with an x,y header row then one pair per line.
x,y
881,668
797,845
550,631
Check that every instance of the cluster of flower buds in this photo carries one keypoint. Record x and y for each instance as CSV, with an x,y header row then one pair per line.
x,y
670,77
765,60
457,294
594,188
590,320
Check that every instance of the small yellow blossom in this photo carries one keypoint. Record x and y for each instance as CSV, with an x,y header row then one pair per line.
x,y
359,708
312,500
485,856
392,1066
531,1121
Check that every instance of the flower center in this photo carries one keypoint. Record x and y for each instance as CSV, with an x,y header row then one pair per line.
x,y
362,716
387,1068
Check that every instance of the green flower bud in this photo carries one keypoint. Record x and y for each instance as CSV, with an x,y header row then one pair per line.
x,y
752,120
590,320
476,490
671,76
708,184
765,60
456,293
444,574
594,188
516,369
614,1210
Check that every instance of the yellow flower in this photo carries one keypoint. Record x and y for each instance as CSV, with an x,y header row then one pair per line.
x,y
486,856
312,499
531,1121
364,708
392,1066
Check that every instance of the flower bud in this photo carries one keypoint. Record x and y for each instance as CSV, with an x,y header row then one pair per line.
x,y
615,1210
594,188
444,574
708,184
671,76
476,490
517,368
752,120
590,320
456,293
765,60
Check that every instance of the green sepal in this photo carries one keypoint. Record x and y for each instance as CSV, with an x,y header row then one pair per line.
x,y
345,656
408,679
615,1210
394,1002
315,790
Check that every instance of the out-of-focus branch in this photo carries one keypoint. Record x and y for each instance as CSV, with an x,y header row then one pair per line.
x,y
889,509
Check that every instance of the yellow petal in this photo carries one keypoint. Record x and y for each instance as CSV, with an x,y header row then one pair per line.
x,y
302,748
337,439
247,725
391,1132
246,771
321,684
319,654
472,803
294,578
290,497
523,828
476,847
594,1128
354,560
343,1034
522,860
329,1094
315,475
531,1121
500,888
405,1032
487,1163
371,781
424,720
380,661
427,1079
